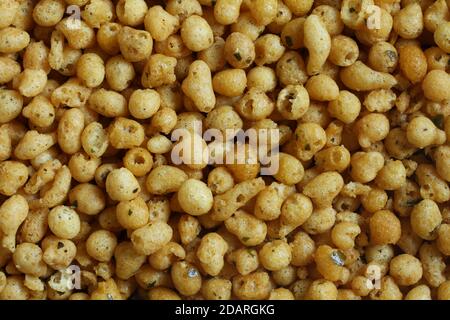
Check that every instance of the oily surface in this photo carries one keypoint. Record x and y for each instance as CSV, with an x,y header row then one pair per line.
x,y
95,95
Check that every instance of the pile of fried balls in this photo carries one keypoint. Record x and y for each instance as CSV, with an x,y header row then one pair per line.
x,y
94,206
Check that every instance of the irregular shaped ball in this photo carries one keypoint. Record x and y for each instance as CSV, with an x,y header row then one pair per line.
x,y
195,197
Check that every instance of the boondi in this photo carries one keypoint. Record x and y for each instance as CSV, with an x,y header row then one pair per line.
x,y
90,103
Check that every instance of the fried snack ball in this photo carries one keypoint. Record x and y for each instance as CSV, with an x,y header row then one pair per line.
x,y
225,149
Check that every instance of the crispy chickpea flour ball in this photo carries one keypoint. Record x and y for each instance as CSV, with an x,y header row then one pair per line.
x,y
88,177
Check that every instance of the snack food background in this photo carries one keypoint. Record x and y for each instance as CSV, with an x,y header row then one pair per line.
x,y
92,93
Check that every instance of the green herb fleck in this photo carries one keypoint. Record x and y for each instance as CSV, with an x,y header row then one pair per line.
x,y
135,190
391,55
412,202
352,10
251,252
151,284
288,41
60,245
245,239
74,204
130,212
438,121
237,55
307,147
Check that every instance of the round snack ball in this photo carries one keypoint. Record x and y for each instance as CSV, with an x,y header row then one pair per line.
x,y
406,269
275,255
144,103
384,227
96,123
13,175
195,197
290,169
425,219
421,132
100,245
444,291
64,222
435,85
322,290
196,33
132,214
420,292
122,185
